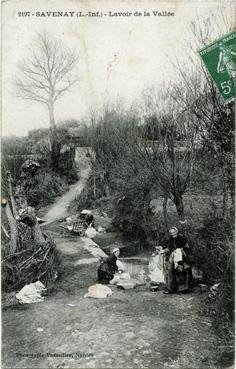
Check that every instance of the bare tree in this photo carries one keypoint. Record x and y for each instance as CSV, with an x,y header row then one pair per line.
x,y
158,153
46,75
169,144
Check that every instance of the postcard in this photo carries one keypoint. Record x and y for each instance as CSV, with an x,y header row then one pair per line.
x,y
118,192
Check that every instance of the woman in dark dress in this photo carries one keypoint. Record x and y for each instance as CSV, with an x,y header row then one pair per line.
x,y
108,267
177,268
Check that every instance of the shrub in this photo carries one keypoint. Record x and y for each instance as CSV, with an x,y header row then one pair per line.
x,y
43,188
213,252
30,262
212,245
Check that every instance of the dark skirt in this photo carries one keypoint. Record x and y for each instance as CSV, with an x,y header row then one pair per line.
x,y
105,273
180,279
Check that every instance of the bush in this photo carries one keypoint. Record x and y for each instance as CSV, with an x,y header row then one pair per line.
x,y
211,245
30,262
43,188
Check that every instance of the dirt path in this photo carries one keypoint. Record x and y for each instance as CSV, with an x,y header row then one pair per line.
x,y
59,209
130,329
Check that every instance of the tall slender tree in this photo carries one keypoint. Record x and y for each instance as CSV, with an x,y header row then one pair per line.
x,y
45,76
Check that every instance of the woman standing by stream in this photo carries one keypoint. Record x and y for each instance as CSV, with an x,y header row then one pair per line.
x,y
177,268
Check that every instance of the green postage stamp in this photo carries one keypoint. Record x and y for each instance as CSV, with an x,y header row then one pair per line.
x,y
220,60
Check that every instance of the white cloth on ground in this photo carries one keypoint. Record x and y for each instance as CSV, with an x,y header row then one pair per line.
x,y
31,293
98,291
120,277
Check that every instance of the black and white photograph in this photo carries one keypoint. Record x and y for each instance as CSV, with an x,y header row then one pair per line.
x,y
118,184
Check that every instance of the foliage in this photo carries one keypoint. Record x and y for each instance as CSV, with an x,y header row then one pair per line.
x,y
46,184
36,135
213,252
212,243
71,123
15,151
44,187
29,263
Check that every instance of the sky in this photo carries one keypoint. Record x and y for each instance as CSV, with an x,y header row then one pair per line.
x,y
118,56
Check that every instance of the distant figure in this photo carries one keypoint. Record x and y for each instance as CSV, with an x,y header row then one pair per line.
x,y
108,267
87,217
177,268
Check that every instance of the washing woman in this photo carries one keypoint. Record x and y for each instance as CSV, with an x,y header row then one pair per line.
x,y
177,269
108,267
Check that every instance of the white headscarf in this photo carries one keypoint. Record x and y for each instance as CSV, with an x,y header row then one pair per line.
x,y
173,231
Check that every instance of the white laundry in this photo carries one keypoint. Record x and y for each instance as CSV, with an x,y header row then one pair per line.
x,y
31,293
120,265
101,229
176,256
90,232
98,291
120,277
125,281
155,268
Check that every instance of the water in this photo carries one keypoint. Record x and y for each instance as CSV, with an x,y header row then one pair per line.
x,y
134,265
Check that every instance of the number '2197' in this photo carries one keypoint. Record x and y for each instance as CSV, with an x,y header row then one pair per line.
x,y
23,14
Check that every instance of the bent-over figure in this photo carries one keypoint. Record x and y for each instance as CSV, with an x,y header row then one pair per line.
x,y
108,267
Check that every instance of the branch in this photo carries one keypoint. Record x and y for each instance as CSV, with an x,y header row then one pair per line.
x,y
47,74
59,92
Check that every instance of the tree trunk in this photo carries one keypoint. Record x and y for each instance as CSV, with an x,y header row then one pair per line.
x,y
51,116
55,153
107,191
94,187
232,206
164,206
55,146
13,228
231,193
225,197
30,219
55,149
13,203
38,234
178,201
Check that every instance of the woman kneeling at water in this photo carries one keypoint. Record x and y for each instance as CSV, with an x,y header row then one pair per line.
x,y
108,267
